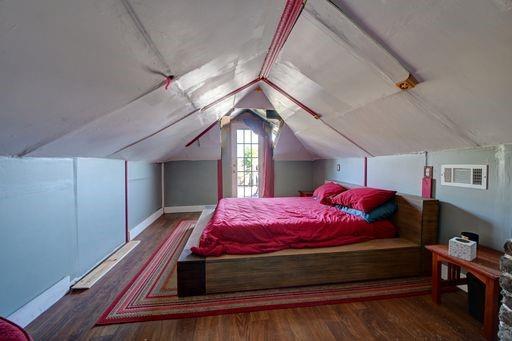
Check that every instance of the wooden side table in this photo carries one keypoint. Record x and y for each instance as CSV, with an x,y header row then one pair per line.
x,y
485,267
305,193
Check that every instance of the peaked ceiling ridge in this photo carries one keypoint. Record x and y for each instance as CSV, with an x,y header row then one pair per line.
x,y
292,11
255,99
290,15
236,91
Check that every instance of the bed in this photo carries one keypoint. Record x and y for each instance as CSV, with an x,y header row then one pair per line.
x,y
254,226
380,251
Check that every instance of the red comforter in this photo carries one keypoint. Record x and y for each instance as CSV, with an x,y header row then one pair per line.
x,y
250,226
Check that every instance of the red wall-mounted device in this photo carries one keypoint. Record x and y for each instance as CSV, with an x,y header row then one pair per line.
x,y
427,181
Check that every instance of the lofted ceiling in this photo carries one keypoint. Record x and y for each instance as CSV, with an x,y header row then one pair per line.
x,y
87,78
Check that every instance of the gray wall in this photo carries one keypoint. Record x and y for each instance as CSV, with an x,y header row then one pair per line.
x,y
60,217
190,183
100,210
486,212
144,191
292,176
401,173
351,171
37,228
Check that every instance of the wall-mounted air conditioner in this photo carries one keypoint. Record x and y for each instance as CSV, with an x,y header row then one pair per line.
x,y
472,176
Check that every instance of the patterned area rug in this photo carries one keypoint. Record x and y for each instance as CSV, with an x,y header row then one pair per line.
x,y
152,293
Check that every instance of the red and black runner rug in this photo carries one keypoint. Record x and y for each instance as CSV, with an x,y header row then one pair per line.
x,y
152,294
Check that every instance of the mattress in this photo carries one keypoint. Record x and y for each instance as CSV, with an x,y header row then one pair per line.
x,y
260,225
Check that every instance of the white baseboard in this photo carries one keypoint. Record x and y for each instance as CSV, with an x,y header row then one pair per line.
x,y
44,301
184,209
134,232
30,311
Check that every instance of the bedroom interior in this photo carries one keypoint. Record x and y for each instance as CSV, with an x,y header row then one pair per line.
x,y
271,169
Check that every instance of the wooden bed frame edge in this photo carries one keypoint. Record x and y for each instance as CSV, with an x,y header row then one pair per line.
x,y
417,220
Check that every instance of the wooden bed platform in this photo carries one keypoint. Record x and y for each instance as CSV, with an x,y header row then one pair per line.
x,y
416,218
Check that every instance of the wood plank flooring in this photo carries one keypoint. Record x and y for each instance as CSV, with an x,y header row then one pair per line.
x,y
73,317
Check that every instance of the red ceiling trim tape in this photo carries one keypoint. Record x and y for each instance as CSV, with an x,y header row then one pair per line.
x,y
313,113
234,92
202,133
291,13
291,98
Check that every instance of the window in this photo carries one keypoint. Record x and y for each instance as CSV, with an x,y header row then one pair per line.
x,y
247,163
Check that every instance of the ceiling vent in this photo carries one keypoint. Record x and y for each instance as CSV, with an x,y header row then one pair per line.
x,y
471,176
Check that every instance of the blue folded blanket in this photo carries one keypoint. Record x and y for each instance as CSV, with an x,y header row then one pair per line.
x,y
384,211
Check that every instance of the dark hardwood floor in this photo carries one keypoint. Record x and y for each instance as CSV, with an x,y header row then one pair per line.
x,y
74,316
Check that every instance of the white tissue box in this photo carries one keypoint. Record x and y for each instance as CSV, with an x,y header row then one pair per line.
x,y
462,248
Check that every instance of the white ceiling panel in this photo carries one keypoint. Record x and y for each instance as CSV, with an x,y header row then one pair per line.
x,y
255,99
315,59
192,33
462,52
317,137
169,142
289,148
291,80
81,78
111,132
220,82
395,125
341,28
207,147
62,64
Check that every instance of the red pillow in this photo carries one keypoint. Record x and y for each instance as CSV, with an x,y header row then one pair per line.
x,y
363,199
325,191
10,331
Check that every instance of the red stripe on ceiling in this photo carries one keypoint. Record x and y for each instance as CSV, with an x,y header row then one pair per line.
x,y
291,98
312,113
234,92
291,13
202,133
347,138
